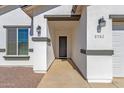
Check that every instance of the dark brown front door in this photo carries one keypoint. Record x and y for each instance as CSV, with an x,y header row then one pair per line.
x,y
63,46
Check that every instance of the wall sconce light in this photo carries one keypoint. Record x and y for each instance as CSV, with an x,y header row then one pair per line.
x,y
101,23
38,29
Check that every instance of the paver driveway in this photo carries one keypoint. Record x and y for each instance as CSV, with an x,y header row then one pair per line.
x,y
19,77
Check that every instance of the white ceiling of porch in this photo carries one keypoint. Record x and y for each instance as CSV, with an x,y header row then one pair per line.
x,y
63,25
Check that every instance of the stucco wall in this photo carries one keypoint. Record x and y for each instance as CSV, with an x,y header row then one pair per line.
x,y
79,42
14,17
51,46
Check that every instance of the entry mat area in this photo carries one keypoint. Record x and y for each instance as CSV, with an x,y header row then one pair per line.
x,y
19,77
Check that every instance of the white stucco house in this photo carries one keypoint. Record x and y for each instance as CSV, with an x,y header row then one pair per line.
x,y
91,36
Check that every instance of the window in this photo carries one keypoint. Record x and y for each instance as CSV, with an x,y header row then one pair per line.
x,y
17,41
11,41
118,24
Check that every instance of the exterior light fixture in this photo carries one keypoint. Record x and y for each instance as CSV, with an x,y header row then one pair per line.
x,y
38,29
101,23
98,29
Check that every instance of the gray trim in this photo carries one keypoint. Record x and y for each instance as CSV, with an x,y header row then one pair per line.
x,y
2,50
16,57
17,26
31,50
82,51
62,17
97,52
116,16
42,39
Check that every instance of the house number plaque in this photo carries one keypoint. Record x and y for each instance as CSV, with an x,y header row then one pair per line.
x,y
99,36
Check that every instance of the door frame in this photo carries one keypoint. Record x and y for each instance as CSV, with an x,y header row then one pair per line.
x,y
66,47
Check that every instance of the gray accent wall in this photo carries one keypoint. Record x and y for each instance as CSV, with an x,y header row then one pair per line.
x,y
97,52
42,39
14,58
2,50
116,16
17,26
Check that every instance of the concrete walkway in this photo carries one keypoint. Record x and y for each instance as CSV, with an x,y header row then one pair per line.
x,y
62,75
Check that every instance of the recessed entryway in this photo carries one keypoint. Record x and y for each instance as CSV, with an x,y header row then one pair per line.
x,y
61,37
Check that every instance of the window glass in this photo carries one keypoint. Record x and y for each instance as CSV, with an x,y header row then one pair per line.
x,y
23,41
11,41
118,26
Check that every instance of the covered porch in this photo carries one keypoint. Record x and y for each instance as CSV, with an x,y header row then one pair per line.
x,y
61,33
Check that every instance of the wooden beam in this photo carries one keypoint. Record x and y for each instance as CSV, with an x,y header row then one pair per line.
x,y
118,20
78,9
74,8
62,17
28,9
3,6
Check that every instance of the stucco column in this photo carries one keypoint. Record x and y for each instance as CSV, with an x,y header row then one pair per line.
x,y
99,46
40,46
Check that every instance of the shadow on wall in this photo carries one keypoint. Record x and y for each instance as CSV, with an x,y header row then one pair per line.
x,y
43,8
51,34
